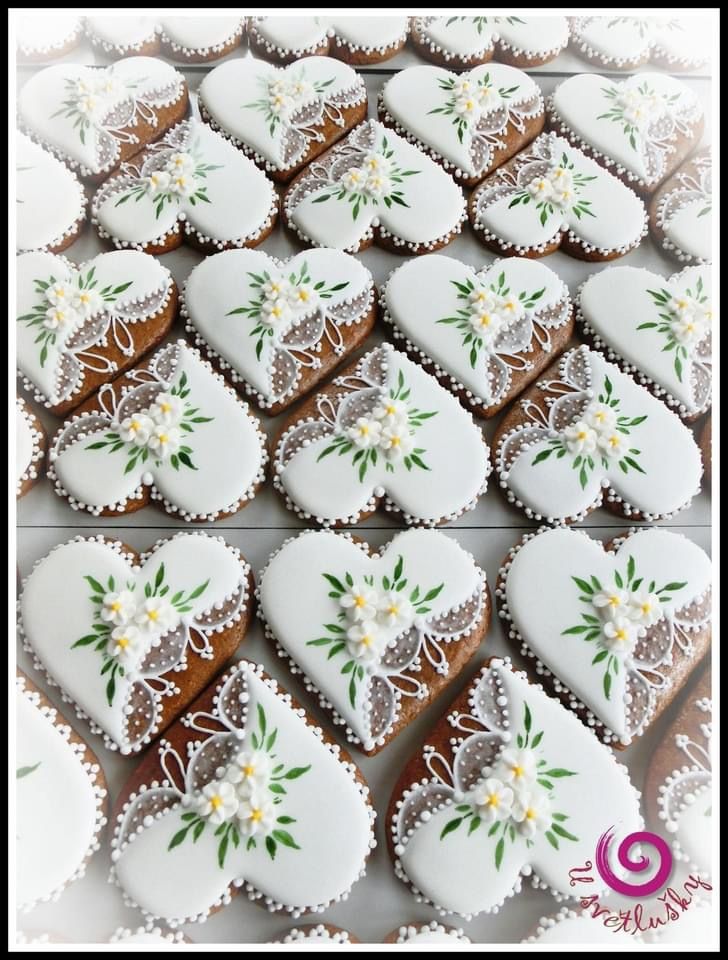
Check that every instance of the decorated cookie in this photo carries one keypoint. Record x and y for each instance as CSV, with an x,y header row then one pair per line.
x,y
187,39
148,935
467,41
706,448
93,118
283,117
623,626
323,933
30,444
642,128
78,326
658,329
551,196
44,38
192,185
681,212
50,203
587,435
508,785
695,927
61,799
578,927
472,122
485,335
623,43
168,431
132,638
246,791
355,40
374,186
377,635
679,784
276,328
432,932
384,432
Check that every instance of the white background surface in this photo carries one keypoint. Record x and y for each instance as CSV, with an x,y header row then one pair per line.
x,y
90,909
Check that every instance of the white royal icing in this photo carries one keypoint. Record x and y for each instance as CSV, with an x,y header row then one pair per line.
x,y
274,112
492,772
121,33
694,927
315,934
660,328
358,632
104,459
66,314
192,180
432,932
633,632
600,447
28,444
571,927
626,41
61,804
137,620
45,34
49,200
471,37
463,118
553,191
265,320
476,327
406,457
84,113
251,740
375,179
143,935
199,33
685,212
298,34
633,124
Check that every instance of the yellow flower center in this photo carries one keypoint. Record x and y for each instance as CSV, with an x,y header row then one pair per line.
x,y
180,181
645,607
614,600
682,304
559,172
249,770
582,435
393,610
689,327
163,438
59,292
599,416
395,441
485,320
621,634
256,814
359,601
123,642
216,801
366,640
84,298
517,771
153,615
469,104
531,814
165,407
390,409
354,176
277,311
116,606
542,184
364,430
303,295
493,800
614,440
509,305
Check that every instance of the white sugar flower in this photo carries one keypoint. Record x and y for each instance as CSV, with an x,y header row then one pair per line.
x,y
463,88
301,90
60,294
275,289
118,608
613,603
468,107
394,610
365,642
391,412
561,179
612,443
158,182
156,615
167,409
276,312
365,433
483,298
492,800
217,802
600,417
360,602
487,95
136,429
580,438
396,441
689,330
376,164
164,440
109,87
82,87
180,163
562,198
256,815
250,771
532,812
91,106
377,185
487,324
182,184
281,105
511,309
644,608
682,305
302,296
276,86
354,179
620,636
517,768
60,318
87,302
125,644
541,188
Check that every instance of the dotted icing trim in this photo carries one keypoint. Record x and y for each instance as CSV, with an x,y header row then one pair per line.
x,y
492,42
76,188
674,200
32,469
56,47
318,932
122,934
411,932
652,51
324,46
192,53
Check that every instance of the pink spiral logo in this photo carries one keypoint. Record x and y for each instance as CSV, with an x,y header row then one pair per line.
x,y
638,865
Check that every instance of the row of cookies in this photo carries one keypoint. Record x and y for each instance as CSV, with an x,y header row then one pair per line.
x,y
620,43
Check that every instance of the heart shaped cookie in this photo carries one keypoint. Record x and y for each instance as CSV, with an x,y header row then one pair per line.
x,y
283,117
553,196
355,40
466,41
485,335
61,799
276,328
623,43
50,203
376,635
660,330
43,38
246,791
383,431
132,638
169,431
78,326
30,444
643,127
507,785
191,185
587,434
622,628
681,212
188,39
471,122
93,118
374,185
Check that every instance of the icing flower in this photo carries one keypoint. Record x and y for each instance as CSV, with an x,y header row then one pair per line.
x,y
354,179
164,440
125,643
217,802
394,609
302,297
483,298
391,412
109,87
467,107
182,184
580,438
689,329
91,107
600,417
493,800
60,317
511,309
136,429
158,182
613,603
87,302
638,109
612,443
166,409
256,814
275,289
59,294
250,771
365,432
486,323
487,95
301,90
644,608
540,188
360,602
375,164
180,163
275,312
396,441
532,812
118,608
517,768
378,185
621,635
462,88
156,615
364,642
